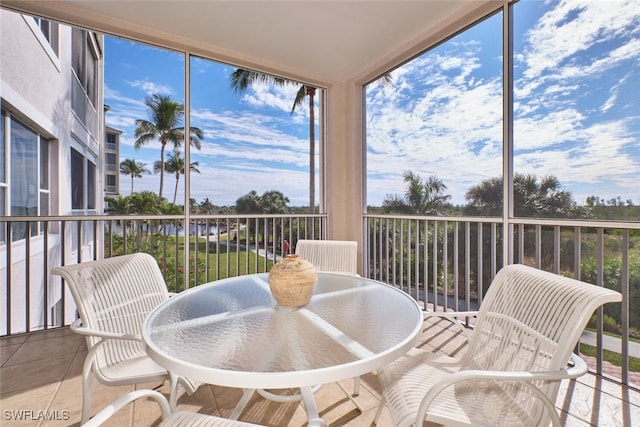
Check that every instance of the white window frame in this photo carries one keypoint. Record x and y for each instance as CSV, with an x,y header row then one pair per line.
x,y
87,157
51,45
42,171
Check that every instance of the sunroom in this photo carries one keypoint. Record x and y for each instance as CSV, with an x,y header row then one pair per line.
x,y
447,97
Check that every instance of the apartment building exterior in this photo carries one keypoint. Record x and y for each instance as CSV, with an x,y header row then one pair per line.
x,y
51,156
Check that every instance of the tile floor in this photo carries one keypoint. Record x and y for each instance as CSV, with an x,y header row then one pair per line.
x,y
40,377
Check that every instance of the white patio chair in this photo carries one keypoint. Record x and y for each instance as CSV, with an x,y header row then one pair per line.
x,y
169,419
336,256
339,256
518,352
113,297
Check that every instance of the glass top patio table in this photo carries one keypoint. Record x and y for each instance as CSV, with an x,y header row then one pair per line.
x,y
232,333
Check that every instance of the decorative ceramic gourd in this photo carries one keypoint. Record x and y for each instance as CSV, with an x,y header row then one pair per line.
x,y
292,281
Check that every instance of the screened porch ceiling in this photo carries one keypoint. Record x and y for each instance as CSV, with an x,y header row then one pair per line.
x,y
314,41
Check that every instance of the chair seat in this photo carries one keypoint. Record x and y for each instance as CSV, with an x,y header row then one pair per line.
x,y
132,370
169,419
184,418
138,368
472,403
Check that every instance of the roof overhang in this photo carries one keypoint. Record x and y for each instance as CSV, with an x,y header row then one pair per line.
x,y
312,41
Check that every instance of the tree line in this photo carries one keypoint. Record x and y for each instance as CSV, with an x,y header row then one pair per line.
x,y
148,202
533,197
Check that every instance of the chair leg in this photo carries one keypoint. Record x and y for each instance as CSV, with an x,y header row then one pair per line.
x,y
356,386
379,411
173,392
242,403
87,389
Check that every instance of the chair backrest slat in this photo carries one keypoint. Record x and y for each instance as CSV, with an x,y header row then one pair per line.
x,y
530,320
330,255
115,294
533,315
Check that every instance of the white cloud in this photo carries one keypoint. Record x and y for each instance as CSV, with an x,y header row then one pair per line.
x,y
242,151
124,111
280,98
437,119
443,113
571,27
151,88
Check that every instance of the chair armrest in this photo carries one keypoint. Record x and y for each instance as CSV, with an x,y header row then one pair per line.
x,y
122,401
78,328
574,370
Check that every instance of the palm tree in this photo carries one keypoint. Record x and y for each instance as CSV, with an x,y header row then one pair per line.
x,y
422,197
165,125
175,165
241,79
119,206
206,207
427,197
546,198
532,197
250,203
134,169
146,203
274,202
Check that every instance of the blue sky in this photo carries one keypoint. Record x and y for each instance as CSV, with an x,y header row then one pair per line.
x,y
576,109
251,141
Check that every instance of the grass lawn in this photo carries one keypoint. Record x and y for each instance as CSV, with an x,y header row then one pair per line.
x,y
611,357
213,266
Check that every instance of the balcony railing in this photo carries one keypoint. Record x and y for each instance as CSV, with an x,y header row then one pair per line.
x,y
206,249
446,262
449,262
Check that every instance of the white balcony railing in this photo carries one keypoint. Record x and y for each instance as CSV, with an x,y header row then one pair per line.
x,y
442,261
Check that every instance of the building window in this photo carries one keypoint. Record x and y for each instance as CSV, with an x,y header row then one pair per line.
x,y
576,109
84,61
111,142
50,31
77,180
91,64
3,177
91,185
44,178
110,163
111,183
83,182
27,180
